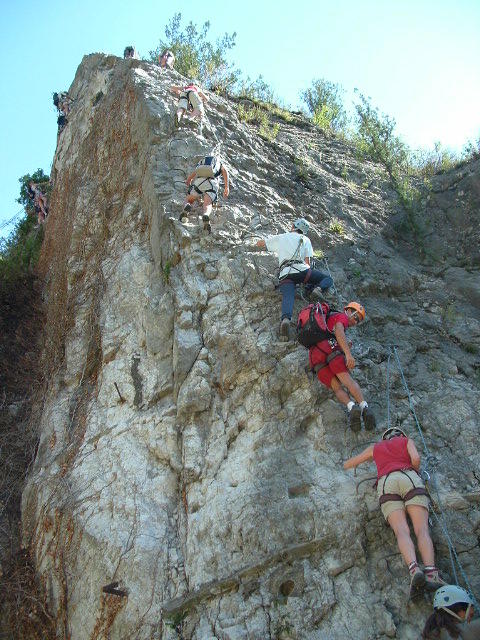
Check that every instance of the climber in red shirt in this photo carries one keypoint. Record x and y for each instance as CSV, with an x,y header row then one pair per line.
x,y
332,361
401,491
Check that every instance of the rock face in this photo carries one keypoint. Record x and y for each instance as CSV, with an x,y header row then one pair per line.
x,y
185,454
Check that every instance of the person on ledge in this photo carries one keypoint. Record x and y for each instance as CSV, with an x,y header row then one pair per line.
x,y
401,491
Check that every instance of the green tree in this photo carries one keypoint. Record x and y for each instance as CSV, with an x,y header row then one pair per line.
x,y
196,57
325,104
375,139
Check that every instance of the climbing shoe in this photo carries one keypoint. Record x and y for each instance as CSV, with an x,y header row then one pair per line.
x,y
433,581
417,581
284,327
369,419
354,416
206,223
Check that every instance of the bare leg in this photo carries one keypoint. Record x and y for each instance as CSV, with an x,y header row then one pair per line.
x,y
207,210
352,386
207,205
180,114
419,518
398,521
339,391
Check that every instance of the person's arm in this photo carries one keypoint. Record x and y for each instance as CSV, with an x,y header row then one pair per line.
x,y
226,189
261,244
202,95
307,260
191,177
365,456
176,90
339,332
413,453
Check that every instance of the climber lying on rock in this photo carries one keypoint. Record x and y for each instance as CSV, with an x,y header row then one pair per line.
x,y
294,251
190,102
322,331
203,185
401,491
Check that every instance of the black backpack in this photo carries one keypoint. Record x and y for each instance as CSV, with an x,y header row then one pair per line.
x,y
55,99
312,324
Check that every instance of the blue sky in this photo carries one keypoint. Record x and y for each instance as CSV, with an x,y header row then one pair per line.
x,y
418,60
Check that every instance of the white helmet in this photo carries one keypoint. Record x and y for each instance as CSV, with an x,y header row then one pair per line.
x,y
302,225
451,594
391,432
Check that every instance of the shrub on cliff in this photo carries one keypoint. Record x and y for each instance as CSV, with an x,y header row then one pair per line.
x,y
325,105
196,57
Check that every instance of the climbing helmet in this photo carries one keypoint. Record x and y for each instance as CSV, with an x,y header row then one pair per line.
x,y
452,594
302,225
359,310
392,432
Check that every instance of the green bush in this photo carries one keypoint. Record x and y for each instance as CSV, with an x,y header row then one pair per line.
x,y
375,140
196,57
325,105
19,252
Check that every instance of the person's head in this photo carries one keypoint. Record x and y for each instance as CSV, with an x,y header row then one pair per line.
x,y
452,605
355,313
301,226
129,52
393,432
455,601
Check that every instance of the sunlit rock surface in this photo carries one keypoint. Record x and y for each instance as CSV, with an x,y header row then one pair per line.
x,y
185,453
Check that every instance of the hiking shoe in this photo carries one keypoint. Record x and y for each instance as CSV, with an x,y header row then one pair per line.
x,y
183,217
369,419
354,416
433,581
417,583
284,327
317,294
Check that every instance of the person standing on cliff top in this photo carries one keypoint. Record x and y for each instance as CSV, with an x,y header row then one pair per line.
x,y
190,103
401,491
294,251
166,59
329,356
203,184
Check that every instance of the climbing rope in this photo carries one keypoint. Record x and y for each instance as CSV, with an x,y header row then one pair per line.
x,y
440,516
339,297
12,220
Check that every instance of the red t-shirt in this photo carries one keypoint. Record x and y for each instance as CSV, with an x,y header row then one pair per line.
x,y
391,455
318,353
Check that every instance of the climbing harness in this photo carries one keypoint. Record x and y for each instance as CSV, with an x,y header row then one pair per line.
x,y
396,497
438,512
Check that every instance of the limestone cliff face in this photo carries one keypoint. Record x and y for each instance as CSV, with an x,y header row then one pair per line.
x,y
184,451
